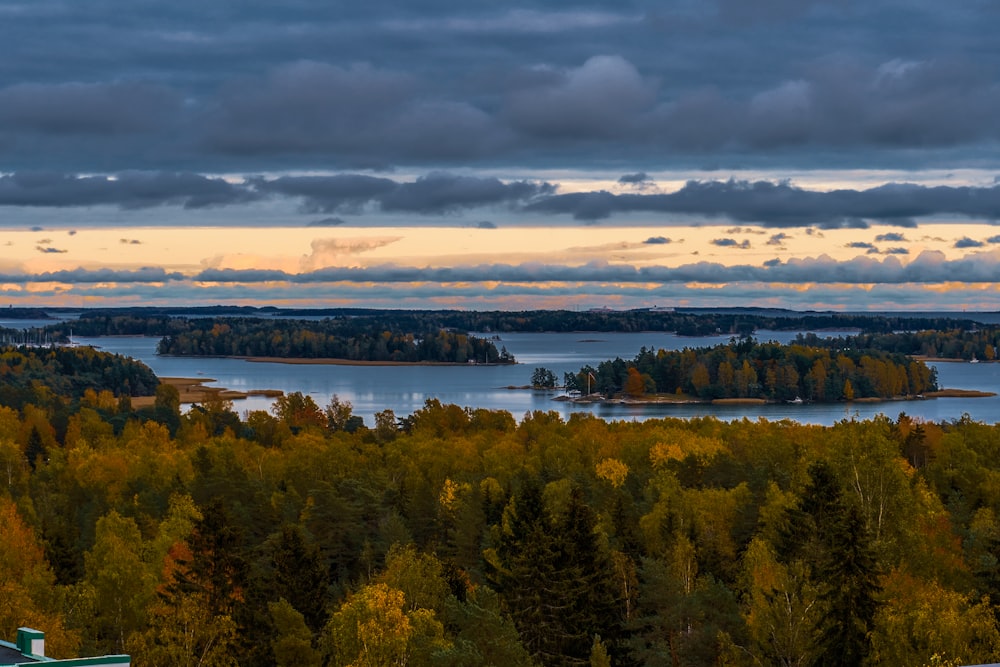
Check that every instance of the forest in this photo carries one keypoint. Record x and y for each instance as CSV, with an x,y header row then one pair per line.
x,y
336,339
692,322
51,377
457,536
965,344
745,368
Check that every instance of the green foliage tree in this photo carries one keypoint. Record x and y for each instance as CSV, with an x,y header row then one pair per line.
x,y
292,643
543,378
121,582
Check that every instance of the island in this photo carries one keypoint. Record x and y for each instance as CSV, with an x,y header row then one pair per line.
x,y
747,371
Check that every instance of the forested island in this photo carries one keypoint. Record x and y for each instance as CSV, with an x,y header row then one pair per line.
x,y
747,369
302,536
352,339
334,339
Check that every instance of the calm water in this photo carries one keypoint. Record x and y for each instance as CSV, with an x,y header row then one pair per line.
x,y
405,388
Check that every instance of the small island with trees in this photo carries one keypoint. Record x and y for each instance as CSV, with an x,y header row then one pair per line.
x,y
745,370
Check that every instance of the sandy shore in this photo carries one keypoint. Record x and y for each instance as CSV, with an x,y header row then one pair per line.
x,y
959,393
945,360
328,361
192,390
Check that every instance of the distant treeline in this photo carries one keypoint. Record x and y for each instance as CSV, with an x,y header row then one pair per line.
x,y
36,375
22,313
161,322
953,343
337,339
748,369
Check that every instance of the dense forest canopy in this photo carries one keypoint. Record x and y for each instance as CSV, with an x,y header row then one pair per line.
x,y
48,375
463,537
747,369
951,343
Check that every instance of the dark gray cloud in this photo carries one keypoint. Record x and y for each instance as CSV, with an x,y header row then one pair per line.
x,y
442,84
657,240
325,194
861,245
891,237
993,239
634,179
439,192
778,239
143,275
49,249
785,205
435,193
731,243
359,116
101,109
128,190
486,224
966,242
896,251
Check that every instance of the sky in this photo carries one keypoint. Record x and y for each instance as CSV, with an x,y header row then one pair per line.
x,y
439,154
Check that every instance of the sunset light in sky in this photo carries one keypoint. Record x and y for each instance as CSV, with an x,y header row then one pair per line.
x,y
437,154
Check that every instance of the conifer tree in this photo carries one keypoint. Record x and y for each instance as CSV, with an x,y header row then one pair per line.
x,y
555,579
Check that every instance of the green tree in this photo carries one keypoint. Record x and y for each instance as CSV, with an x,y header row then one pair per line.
x,y
301,576
555,578
338,414
122,583
299,411
292,643
543,378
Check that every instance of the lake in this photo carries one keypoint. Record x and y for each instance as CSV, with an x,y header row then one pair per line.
x,y
404,389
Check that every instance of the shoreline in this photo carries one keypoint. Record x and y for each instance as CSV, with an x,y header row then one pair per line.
x,y
192,390
669,400
333,361
946,360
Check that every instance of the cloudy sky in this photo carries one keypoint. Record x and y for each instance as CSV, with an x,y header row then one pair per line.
x,y
432,153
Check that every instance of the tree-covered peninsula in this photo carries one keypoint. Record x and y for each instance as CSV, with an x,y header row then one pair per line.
x,y
52,374
747,369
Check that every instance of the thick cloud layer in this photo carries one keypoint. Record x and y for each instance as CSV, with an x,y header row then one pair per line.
x,y
785,205
770,204
449,84
128,190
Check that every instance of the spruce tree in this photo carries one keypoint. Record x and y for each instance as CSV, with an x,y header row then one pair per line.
x,y
850,574
555,579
